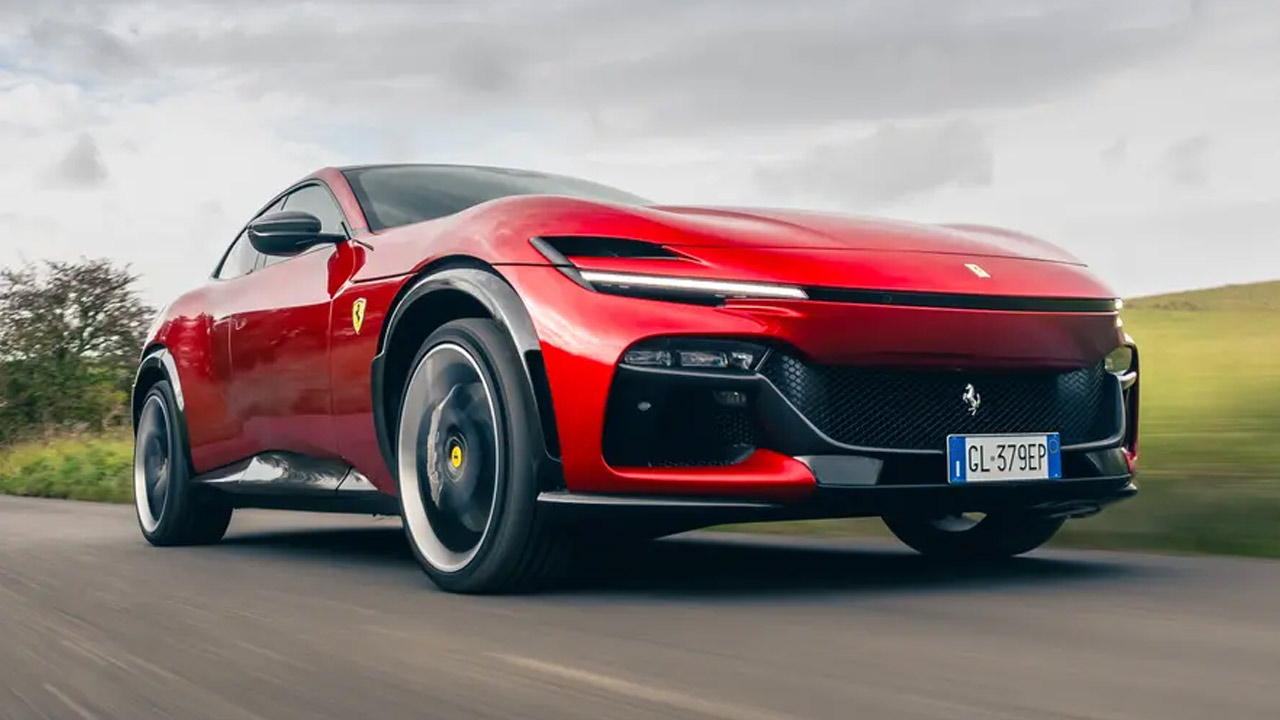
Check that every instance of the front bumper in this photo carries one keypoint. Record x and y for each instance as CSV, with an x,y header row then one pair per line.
x,y
799,471
1067,499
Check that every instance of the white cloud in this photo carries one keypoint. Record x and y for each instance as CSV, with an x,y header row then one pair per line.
x,y
161,183
1116,153
82,166
1144,136
1188,160
893,163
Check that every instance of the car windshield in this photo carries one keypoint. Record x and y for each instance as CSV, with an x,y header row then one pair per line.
x,y
394,195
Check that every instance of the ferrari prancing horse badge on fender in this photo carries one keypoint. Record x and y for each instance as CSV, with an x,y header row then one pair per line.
x,y
357,314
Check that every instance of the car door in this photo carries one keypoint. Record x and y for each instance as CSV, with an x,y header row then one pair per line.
x,y
279,341
217,435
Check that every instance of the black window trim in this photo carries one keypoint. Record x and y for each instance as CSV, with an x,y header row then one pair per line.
x,y
217,269
257,265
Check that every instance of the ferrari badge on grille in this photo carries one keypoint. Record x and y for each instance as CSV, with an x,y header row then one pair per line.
x,y
971,398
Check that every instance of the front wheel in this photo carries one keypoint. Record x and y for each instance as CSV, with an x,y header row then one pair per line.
x,y
466,447
964,536
171,509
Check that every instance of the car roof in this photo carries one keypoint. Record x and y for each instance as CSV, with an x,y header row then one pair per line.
x,y
463,166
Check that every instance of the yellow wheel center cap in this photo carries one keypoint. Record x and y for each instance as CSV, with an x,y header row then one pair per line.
x,y
455,456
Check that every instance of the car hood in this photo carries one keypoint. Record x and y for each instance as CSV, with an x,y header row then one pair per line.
x,y
748,244
797,229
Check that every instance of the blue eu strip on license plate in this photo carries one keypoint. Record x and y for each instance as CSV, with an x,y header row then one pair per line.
x,y
1004,458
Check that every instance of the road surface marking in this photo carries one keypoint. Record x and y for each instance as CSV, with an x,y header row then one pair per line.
x,y
627,688
75,707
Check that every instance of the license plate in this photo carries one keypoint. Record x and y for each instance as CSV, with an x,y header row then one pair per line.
x,y
997,458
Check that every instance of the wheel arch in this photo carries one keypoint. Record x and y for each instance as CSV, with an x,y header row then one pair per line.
x,y
158,364
448,289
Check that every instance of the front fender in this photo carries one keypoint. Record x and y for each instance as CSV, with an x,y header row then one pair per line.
x,y
502,303
157,364
156,359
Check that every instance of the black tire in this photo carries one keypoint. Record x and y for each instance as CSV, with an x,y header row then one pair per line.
x,y
467,438
992,537
171,510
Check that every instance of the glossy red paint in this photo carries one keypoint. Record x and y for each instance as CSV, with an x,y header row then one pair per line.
x,y
273,360
583,339
254,352
353,352
888,270
876,254
764,475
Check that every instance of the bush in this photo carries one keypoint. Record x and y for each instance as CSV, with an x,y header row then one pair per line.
x,y
72,468
69,345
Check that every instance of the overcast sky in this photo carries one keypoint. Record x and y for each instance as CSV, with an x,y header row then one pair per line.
x,y
1143,135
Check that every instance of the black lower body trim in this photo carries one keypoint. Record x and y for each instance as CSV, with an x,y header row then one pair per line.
x,y
887,469
1051,498
292,481
370,504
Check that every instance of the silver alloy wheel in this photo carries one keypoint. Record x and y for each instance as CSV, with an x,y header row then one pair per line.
x,y
448,457
152,456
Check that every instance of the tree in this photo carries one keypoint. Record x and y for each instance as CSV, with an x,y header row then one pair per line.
x,y
70,334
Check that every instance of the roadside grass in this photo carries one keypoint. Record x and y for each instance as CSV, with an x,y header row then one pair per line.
x,y
1209,453
70,468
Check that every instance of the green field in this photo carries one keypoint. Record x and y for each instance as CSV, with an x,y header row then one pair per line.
x,y
1210,426
1210,440
1209,445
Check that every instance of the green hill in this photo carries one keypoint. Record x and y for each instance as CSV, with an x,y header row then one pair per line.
x,y
1209,446
1262,297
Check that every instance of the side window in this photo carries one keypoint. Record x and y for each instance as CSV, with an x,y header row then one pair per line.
x,y
240,258
316,200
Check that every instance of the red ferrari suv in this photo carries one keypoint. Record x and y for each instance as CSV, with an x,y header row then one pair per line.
x,y
519,364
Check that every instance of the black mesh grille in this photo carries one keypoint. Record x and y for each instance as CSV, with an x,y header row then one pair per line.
x,y
916,410
681,428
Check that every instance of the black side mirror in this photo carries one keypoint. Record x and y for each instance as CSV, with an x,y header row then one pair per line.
x,y
288,232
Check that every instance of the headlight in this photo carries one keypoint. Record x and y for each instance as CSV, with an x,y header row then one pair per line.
x,y
694,354
561,251
647,358
660,286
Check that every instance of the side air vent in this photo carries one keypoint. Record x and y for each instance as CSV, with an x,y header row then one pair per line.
x,y
584,246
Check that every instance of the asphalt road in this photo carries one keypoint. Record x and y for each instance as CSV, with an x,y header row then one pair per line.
x,y
302,616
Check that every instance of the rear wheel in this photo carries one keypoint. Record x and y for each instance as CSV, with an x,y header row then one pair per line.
x,y
171,510
969,536
467,440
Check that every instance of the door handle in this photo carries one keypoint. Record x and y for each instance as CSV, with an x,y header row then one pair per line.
x,y
239,323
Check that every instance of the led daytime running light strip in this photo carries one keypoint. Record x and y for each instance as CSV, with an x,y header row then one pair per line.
x,y
714,287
